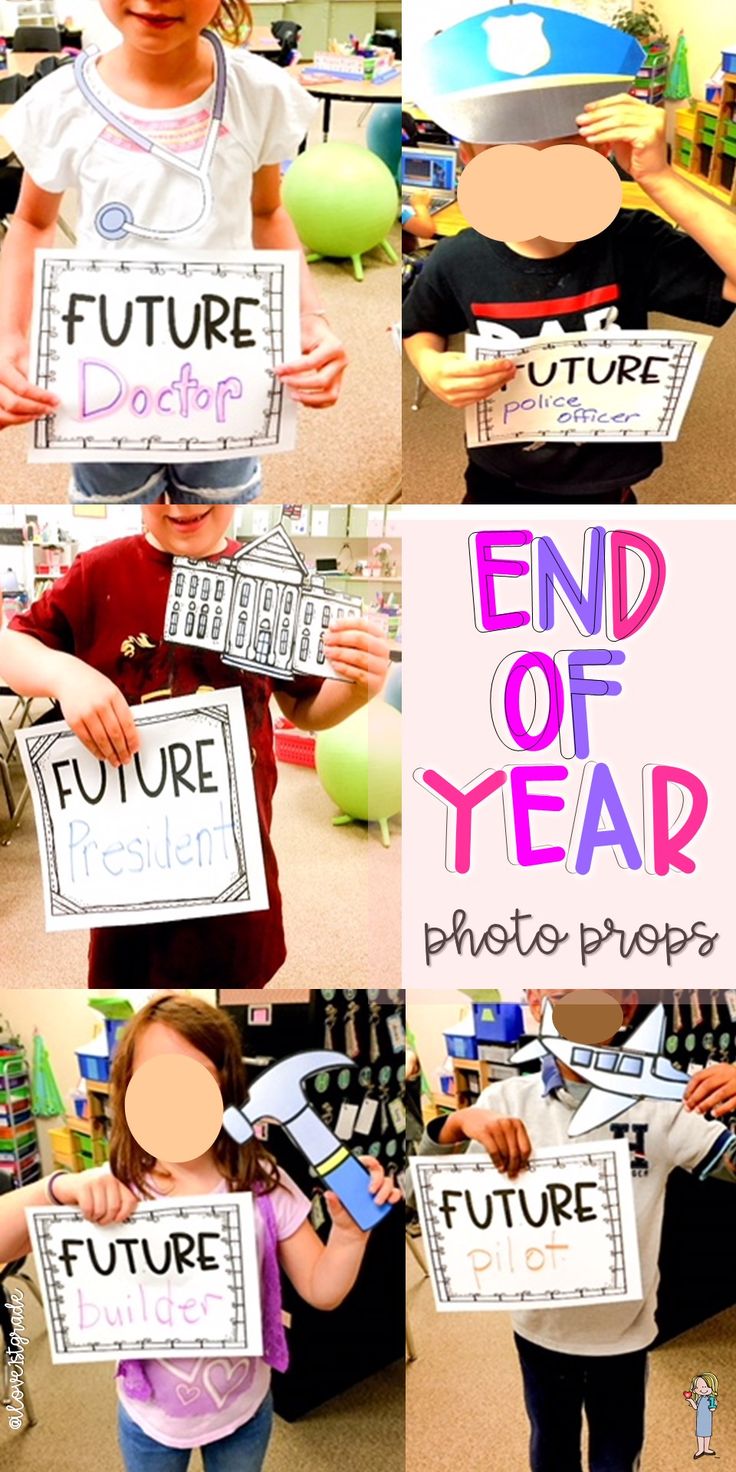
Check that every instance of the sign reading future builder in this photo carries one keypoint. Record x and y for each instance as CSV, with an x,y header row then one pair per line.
x,y
164,361
178,1279
172,835
561,1233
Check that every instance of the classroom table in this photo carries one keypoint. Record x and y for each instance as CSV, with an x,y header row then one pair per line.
x,y
261,41
349,90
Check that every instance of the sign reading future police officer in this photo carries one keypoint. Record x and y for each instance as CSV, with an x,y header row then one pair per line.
x,y
560,1234
619,386
178,1279
172,835
164,360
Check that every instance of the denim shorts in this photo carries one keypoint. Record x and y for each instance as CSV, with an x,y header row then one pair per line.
x,y
199,483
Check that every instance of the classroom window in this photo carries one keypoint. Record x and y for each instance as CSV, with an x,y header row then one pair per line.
x,y
607,1061
631,1065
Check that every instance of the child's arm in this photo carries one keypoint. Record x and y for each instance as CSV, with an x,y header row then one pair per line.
x,y
455,378
91,704
32,228
316,378
324,1274
100,1197
713,1090
505,1139
636,131
355,649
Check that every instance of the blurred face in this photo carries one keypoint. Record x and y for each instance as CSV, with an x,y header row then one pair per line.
x,y
470,150
628,1002
160,25
188,531
173,1103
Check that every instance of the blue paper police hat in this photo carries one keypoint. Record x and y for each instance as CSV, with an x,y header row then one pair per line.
x,y
522,73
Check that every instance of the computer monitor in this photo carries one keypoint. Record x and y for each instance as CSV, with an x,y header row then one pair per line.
x,y
433,169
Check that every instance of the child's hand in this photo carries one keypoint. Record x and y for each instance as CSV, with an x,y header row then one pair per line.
x,y
506,1140
100,1197
459,381
636,130
20,401
713,1089
382,1189
97,713
315,379
358,650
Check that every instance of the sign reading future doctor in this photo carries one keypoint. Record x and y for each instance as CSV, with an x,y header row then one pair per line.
x,y
560,1234
164,360
618,386
260,609
175,1280
172,835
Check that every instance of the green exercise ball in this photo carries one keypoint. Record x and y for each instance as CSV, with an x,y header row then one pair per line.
x,y
341,198
359,765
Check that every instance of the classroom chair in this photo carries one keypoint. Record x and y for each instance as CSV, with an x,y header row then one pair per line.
x,y
37,38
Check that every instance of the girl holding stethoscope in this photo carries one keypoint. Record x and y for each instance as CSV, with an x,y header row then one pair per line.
x,y
174,145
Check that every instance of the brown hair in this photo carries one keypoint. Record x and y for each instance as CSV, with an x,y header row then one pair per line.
x,y
214,1033
232,18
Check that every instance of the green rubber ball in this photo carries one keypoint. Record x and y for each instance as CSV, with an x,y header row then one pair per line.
x,y
359,762
341,198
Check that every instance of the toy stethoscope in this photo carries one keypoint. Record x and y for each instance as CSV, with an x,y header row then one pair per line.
x,y
114,221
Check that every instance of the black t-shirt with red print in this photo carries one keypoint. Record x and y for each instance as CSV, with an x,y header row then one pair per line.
x,y
640,264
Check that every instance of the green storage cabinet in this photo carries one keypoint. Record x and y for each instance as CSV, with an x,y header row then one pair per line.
x,y
263,15
314,18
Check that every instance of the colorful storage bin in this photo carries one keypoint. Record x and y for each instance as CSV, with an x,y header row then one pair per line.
x,y
93,1066
498,1022
461,1045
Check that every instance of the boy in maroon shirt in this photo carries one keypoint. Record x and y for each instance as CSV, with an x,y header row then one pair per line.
x,y
95,644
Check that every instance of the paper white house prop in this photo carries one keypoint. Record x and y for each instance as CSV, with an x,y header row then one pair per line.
x,y
179,1279
173,835
560,1234
522,73
259,609
617,1076
164,361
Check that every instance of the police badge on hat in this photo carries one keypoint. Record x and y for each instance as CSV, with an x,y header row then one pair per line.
x,y
522,73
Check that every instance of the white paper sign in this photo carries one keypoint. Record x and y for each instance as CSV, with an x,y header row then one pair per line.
x,y
562,1233
164,361
591,386
178,1279
172,835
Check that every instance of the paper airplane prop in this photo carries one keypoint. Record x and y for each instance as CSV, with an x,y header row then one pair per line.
x,y
522,73
617,1076
259,609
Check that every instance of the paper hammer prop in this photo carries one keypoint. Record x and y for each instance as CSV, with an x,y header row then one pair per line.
x,y
278,1095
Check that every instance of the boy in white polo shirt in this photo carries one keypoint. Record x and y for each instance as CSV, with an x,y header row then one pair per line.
x,y
594,1359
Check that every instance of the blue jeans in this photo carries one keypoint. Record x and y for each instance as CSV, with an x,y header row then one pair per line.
x,y
610,1388
243,1451
230,481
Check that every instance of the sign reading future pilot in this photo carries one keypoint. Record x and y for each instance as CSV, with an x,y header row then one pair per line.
x,y
616,386
178,1279
172,835
560,1234
164,360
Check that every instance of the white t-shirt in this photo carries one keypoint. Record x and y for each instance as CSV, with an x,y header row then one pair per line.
x,y
662,1136
65,143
